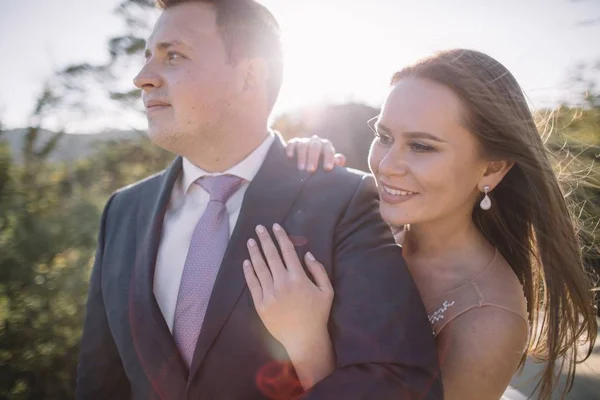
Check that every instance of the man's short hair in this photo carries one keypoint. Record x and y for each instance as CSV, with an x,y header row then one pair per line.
x,y
248,29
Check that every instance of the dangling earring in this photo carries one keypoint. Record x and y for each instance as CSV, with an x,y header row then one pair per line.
x,y
486,203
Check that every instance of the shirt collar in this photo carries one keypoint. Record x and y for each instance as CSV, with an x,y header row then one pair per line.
x,y
245,169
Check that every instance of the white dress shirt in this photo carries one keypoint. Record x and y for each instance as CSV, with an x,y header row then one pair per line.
x,y
186,206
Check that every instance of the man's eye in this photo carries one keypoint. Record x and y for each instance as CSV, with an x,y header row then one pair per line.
x,y
173,56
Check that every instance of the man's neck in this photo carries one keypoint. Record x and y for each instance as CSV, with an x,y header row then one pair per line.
x,y
224,154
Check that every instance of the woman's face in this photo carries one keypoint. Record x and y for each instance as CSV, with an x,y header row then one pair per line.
x,y
427,165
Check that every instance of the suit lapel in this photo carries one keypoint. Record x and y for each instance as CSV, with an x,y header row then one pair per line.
x,y
154,344
267,200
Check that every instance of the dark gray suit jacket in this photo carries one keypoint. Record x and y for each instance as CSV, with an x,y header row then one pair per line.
x,y
382,338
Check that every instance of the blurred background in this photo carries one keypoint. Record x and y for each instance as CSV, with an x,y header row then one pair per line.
x,y
72,132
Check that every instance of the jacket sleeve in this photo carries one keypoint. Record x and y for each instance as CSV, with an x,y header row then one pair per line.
x,y
100,372
382,338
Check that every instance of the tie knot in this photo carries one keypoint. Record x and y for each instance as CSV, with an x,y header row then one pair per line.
x,y
220,187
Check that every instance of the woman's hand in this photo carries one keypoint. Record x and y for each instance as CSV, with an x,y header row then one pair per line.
x,y
293,308
309,150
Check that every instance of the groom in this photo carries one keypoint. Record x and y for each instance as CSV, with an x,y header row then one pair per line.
x,y
169,315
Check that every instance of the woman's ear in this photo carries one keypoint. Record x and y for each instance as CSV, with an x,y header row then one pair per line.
x,y
494,173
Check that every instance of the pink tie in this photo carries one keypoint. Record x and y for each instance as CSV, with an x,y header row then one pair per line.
x,y
209,242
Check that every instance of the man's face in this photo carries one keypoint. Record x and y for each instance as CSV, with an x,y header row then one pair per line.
x,y
189,86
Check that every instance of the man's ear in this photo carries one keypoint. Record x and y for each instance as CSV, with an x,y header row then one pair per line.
x,y
256,73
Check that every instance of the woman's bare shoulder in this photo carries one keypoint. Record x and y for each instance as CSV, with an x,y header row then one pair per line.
x,y
480,351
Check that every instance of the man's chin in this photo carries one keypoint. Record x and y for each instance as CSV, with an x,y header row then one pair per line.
x,y
163,138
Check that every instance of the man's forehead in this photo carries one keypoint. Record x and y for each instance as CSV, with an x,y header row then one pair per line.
x,y
184,23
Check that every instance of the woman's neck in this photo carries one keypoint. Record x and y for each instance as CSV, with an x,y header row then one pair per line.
x,y
447,249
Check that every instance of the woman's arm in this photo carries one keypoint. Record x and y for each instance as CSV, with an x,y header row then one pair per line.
x,y
479,352
293,308
314,360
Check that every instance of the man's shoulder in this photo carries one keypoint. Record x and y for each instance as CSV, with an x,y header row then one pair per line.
x,y
138,190
150,182
143,184
351,173
341,178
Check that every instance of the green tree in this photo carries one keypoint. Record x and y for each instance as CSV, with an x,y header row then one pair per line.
x,y
86,91
47,236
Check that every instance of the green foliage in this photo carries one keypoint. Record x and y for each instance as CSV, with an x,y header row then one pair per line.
x,y
47,238
126,45
118,164
49,215
574,141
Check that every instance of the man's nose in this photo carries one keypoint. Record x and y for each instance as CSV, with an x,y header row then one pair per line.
x,y
147,79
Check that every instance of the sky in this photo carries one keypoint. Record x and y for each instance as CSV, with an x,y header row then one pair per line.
x,y
336,50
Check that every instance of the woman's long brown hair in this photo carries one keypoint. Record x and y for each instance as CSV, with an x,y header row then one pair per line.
x,y
530,222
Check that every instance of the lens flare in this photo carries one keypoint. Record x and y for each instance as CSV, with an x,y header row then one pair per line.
x,y
278,381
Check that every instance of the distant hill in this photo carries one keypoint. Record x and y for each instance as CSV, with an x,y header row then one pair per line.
x,y
344,124
71,147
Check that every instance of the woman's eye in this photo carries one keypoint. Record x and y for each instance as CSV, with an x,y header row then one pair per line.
x,y
385,139
420,147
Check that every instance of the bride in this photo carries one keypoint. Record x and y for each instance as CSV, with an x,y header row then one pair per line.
x,y
465,180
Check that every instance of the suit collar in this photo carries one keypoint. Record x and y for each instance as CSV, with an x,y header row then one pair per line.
x,y
154,344
245,169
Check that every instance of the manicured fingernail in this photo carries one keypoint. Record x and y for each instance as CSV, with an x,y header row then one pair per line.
x,y
310,256
276,227
260,229
301,166
329,166
251,243
246,264
311,168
